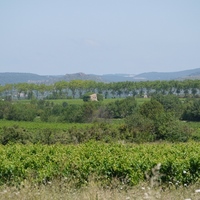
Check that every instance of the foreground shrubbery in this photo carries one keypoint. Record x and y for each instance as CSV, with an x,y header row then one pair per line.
x,y
136,129
129,164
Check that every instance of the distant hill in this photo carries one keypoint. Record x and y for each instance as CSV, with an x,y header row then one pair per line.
x,y
169,75
11,78
81,76
117,77
152,76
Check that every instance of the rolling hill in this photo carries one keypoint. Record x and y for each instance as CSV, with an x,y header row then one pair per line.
x,y
11,78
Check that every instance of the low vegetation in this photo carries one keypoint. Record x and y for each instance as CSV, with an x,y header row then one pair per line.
x,y
60,190
113,144
158,119
128,164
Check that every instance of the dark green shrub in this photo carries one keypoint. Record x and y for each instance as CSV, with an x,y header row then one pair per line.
x,y
171,103
140,128
122,108
64,104
99,97
13,134
21,112
73,113
169,128
89,110
151,109
192,110
86,97
5,106
163,127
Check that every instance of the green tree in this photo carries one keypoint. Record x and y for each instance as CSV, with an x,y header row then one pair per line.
x,y
73,113
22,112
122,108
90,111
86,97
45,114
5,107
151,109
167,127
73,87
140,128
192,110
99,97
60,88
171,103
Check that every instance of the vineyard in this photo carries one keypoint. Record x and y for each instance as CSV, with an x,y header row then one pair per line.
x,y
158,163
114,143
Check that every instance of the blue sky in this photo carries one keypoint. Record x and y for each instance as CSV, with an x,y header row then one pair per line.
x,y
49,37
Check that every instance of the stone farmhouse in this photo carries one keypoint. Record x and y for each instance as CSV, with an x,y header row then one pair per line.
x,y
93,97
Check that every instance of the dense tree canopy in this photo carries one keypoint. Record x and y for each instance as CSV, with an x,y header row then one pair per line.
x,y
77,88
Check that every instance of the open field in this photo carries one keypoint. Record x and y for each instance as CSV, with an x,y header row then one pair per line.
x,y
80,101
33,126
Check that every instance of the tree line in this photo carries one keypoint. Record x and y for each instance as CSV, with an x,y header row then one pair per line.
x,y
77,88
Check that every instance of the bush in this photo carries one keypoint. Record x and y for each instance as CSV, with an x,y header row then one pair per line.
x,y
169,128
86,97
163,127
73,113
21,112
171,103
122,108
5,106
140,128
99,97
13,134
151,109
90,111
192,110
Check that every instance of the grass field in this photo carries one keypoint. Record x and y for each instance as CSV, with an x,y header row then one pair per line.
x,y
80,101
41,125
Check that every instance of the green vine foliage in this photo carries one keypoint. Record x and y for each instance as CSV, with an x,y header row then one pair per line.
x,y
128,163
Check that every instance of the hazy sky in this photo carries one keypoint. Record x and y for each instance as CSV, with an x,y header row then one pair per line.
x,y
56,37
